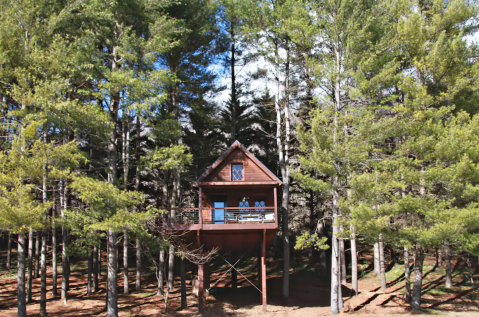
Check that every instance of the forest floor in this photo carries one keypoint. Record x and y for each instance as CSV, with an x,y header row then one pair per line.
x,y
309,294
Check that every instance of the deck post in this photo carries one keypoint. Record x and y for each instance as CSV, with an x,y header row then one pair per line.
x,y
183,283
207,272
263,270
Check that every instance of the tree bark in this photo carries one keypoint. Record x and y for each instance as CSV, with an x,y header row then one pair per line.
x,y
43,283
63,203
22,306
89,273
138,264
335,256
183,284
354,263
342,254
99,259
407,275
9,251
30,265
125,263
377,265
95,268
37,256
171,263
161,271
382,264
439,257
417,288
234,101
112,310
447,258
54,253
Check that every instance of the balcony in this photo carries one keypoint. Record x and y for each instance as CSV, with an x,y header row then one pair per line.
x,y
224,218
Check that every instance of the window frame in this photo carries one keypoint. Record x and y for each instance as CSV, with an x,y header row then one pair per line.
x,y
242,172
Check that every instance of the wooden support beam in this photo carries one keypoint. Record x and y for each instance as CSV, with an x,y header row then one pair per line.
x,y
263,270
183,284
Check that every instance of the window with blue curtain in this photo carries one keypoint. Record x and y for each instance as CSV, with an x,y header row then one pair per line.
x,y
237,172
244,203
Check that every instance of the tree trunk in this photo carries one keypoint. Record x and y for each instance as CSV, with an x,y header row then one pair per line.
x,y
89,273
43,286
183,284
95,268
407,275
382,264
439,257
125,263
447,258
161,271
30,265
342,254
63,203
335,256
354,263
9,251
37,256
377,265
234,101
112,271
99,259
171,263
138,264
22,306
417,288
323,261
54,253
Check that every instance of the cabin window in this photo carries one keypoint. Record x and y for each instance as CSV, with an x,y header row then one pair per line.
x,y
244,202
237,172
259,204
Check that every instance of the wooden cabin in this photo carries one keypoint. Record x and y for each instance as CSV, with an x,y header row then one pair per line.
x,y
238,209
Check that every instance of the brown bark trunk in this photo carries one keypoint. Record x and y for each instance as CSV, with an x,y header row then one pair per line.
x,y
407,275
95,269
417,288
22,306
89,273
36,270
30,265
125,263
382,264
447,258
138,264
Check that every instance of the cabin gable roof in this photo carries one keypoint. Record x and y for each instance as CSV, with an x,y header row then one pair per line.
x,y
254,171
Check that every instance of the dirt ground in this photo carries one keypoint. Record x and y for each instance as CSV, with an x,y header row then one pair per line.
x,y
309,295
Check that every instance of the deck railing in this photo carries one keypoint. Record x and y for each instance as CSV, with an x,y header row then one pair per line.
x,y
224,215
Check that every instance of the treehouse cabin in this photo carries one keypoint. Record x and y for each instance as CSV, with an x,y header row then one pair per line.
x,y
237,210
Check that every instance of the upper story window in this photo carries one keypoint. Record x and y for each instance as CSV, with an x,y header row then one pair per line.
x,y
237,172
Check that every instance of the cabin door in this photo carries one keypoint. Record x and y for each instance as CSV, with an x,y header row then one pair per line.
x,y
219,214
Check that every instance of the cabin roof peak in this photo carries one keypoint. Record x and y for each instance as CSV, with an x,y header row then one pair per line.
x,y
248,154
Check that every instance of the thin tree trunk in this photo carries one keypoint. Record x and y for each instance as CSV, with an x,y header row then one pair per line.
x,y
183,284
161,271
9,251
22,306
43,285
382,264
354,263
407,275
377,265
125,263
439,257
30,265
417,288
112,271
95,268
89,274
54,252
234,100
342,254
323,261
171,263
447,258
63,203
335,256
37,256
138,264
99,260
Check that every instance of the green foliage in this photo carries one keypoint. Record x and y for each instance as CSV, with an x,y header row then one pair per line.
x,y
308,241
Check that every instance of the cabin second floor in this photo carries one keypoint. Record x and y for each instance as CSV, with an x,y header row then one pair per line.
x,y
236,192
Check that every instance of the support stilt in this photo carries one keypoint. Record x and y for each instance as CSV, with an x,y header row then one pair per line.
x,y
263,270
201,288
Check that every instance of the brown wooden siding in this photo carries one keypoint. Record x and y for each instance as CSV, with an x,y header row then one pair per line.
x,y
251,171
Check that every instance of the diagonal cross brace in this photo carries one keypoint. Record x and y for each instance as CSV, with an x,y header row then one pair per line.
x,y
232,267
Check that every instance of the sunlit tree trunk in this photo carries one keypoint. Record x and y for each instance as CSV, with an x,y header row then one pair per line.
x,y
354,263
417,288
125,263
447,258
407,275
22,306
30,265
